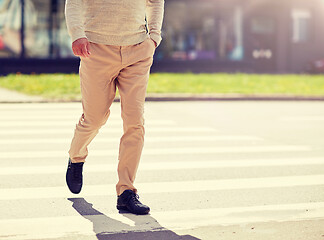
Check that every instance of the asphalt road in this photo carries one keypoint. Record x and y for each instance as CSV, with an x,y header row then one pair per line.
x,y
209,170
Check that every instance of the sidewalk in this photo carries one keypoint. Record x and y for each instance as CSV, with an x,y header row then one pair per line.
x,y
8,96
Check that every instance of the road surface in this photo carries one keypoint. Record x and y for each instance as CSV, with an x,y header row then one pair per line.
x,y
209,170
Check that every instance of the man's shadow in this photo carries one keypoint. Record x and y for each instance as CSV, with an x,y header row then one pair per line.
x,y
146,227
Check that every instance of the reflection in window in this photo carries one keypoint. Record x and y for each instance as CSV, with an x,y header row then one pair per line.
x,y
262,25
45,29
201,31
10,26
50,34
301,25
236,52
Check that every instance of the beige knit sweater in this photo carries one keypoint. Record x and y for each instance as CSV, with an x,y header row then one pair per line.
x,y
114,22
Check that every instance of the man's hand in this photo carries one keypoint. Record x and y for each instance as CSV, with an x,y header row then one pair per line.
x,y
81,47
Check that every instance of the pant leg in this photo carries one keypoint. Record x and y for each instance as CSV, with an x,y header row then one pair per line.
x,y
98,89
132,82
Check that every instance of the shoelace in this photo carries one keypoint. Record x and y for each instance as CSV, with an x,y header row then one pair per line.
x,y
133,197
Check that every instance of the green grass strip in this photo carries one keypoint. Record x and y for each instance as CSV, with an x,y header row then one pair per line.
x,y
67,86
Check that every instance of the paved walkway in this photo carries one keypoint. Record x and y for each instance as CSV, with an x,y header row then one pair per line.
x,y
209,170
8,96
12,96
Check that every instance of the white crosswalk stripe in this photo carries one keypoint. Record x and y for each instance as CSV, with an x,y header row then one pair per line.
x,y
65,123
303,118
161,151
167,187
147,166
182,219
42,131
52,126
149,139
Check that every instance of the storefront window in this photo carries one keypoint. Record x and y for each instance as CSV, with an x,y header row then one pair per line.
x,y
10,25
45,29
231,35
63,41
301,25
191,31
198,31
49,35
262,25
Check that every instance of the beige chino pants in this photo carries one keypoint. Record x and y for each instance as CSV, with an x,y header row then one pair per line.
x,y
108,67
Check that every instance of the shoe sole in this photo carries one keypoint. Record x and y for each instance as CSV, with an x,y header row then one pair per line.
x,y
122,208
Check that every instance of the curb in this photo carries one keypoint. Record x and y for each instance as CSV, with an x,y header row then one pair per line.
x,y
188,97
230,97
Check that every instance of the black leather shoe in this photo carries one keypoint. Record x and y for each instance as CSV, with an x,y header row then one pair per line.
x,y
128,201
74,176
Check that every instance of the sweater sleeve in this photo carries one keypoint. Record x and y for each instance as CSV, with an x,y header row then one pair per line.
x,y
73,16
154,17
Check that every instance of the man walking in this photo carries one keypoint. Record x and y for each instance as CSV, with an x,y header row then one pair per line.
x,y
115,40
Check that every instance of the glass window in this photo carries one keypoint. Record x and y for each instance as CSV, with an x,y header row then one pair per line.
x,y
200,30
49,36
231,35
188,31
46,34
301,25
10,25
63,41
262,25
37,31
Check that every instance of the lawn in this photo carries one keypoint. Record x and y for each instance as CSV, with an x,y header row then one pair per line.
x,y
67,87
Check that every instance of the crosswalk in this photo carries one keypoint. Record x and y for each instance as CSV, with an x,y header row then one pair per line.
x,y
191,175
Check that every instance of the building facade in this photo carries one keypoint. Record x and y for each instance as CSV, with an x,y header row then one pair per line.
x,y
263,36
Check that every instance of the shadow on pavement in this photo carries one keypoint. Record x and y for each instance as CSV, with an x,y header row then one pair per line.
x,y
146,227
